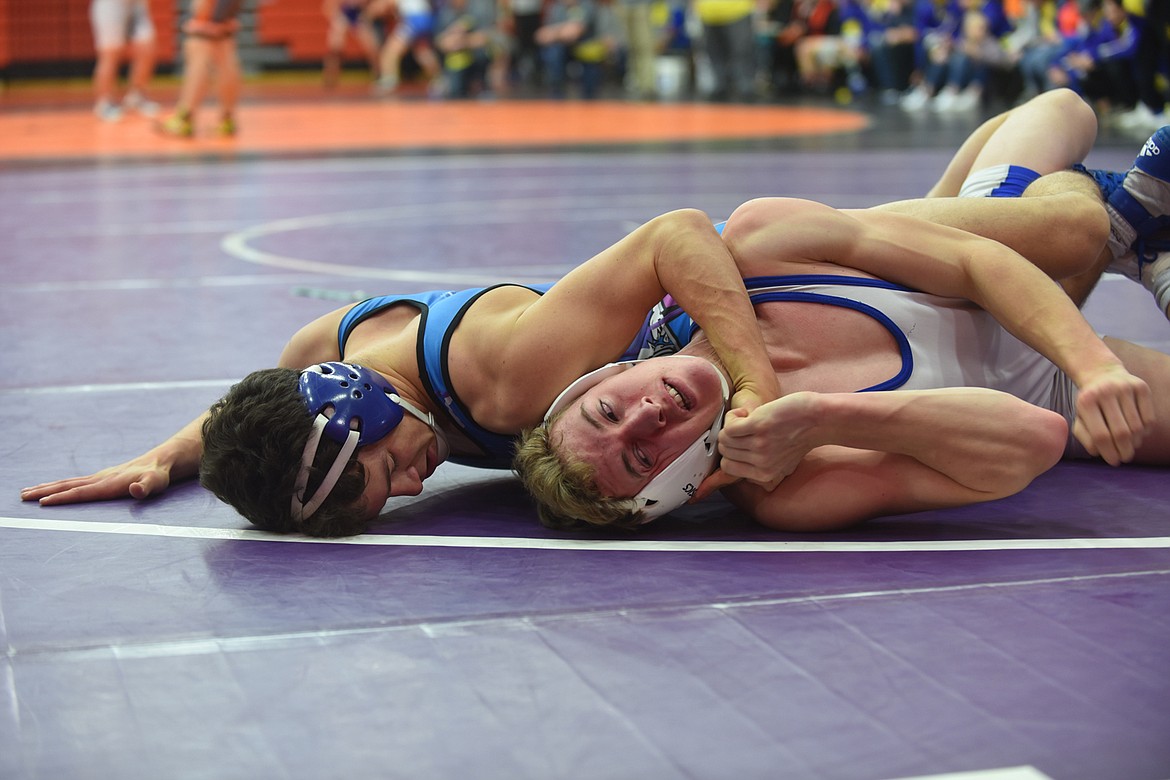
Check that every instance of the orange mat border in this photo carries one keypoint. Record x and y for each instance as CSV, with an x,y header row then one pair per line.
x,y
317,126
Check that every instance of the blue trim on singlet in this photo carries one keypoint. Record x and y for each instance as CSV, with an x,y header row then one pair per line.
x,y
900,338
756,282
1017,180
440,314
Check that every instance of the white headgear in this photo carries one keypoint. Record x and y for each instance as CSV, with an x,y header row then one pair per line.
x,y
676,484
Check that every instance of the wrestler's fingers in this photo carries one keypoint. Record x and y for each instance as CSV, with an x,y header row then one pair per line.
x,y
735,421
96,491
1082,434
37,492
1121,429
152,482
715,480
1092,431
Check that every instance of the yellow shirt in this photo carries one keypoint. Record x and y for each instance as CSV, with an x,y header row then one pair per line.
x,y
717,12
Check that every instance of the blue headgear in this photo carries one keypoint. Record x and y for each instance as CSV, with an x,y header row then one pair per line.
x,y
352,406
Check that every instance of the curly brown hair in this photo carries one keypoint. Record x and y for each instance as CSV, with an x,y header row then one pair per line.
x,y
252,444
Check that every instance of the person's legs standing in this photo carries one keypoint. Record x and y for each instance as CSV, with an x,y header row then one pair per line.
x,y
108,19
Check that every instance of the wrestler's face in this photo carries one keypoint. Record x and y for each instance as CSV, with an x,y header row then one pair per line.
x,y
397,464
632,425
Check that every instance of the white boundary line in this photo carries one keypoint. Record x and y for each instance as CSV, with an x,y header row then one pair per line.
x,y
436,626
598,545
590,208
1007,773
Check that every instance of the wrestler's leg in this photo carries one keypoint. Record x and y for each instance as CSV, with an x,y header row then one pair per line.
x,y
1049,133
1060,225
1078,282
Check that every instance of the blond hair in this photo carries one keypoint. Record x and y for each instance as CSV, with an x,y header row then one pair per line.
x,y
564,490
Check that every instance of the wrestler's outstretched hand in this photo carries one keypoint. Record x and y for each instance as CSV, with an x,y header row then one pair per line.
x,y
1115,410
139,478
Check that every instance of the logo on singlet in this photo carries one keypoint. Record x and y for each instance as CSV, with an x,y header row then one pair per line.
x,y
660,339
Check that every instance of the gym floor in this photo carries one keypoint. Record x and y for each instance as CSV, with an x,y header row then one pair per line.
x,y
1021,639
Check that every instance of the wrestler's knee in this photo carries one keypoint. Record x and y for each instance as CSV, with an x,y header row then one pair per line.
x,y
1084,215
1070,107
1075,200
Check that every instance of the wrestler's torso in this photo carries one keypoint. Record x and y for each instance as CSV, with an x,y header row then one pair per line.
x,y
445,348
826,348
847,333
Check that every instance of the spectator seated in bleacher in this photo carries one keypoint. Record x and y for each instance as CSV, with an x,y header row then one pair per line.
x,y
473,50
674,48
1150,20
1037,41
1099,63
890,36
962,52
578,36
833,46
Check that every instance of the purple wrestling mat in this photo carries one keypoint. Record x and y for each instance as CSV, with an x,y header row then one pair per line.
x,y
1026,638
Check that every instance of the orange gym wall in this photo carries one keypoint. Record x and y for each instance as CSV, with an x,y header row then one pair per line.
x,y
48,31
37,32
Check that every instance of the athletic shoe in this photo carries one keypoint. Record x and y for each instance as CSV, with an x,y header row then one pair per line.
x,y
107,111
134,101
176,126
1143,200
1138,205
227,126
386,86
944,101
1140,118
916,100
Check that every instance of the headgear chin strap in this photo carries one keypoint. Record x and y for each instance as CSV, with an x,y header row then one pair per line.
x,y
676,484
353,406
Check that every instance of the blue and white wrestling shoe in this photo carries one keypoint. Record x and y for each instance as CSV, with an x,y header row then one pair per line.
x,y
1140,207
1138,202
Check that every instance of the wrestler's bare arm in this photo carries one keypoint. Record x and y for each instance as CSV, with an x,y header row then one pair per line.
x,y
590,316
177,458
848,457
779,235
